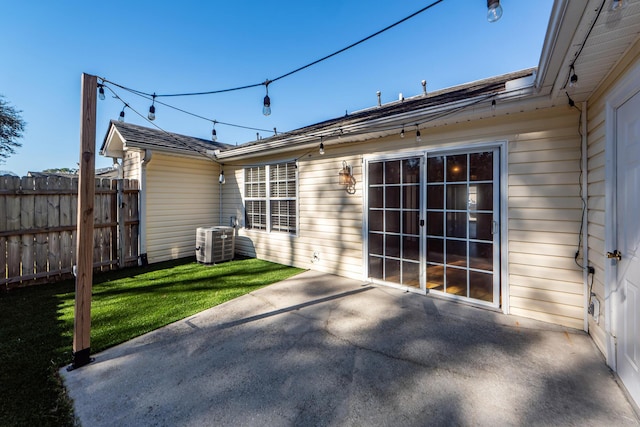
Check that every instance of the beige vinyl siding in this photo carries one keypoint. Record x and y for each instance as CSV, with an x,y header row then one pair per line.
x,y
330,220
544,208
181,195
596,181
131,164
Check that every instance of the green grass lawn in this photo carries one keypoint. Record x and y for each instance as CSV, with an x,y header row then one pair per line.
x,y
36,324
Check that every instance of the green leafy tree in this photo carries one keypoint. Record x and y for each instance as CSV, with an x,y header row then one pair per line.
x,y
11,128
70,171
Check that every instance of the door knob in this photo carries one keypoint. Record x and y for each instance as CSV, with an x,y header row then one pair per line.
x,y
617,255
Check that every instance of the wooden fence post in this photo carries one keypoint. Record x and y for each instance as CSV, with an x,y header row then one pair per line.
x,y
84,252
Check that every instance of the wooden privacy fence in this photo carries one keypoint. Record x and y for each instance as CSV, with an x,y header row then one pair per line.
x,y
38,219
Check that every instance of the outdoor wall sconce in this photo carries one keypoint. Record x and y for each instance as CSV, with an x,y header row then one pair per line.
x,y
345,177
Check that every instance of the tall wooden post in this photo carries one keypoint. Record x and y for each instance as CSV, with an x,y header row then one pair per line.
x,y
84,241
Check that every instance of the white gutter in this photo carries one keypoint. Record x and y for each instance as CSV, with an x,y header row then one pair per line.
x,y
142,211
558,12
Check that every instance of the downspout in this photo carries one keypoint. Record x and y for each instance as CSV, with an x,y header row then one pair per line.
x,y
142,211
585,215
221,181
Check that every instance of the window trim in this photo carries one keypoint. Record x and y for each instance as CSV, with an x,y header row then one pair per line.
x,y
268,198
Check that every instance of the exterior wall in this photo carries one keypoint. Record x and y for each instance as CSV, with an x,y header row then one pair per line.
x,y
131,164
181,195
543,206
596,187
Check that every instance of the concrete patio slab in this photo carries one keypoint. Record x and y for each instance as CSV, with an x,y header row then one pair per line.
x,y
318,349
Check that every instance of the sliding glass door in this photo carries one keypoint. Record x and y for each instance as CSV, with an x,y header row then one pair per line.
x,y
462,256
447,245
393,221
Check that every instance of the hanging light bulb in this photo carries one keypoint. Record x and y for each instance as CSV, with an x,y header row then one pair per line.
x,y
121,118
494,10
321,150
266,108
418,138
221,179
493,105
214,134
101,92
402,132
573,80
618,5
152,110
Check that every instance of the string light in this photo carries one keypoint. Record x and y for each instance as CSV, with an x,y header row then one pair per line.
x,y
493,105
221,179
618,5
101,92
571,101
121,117
321,150
152,110
266,109
494,10
377,33
214,134
301,132
573,80
402,132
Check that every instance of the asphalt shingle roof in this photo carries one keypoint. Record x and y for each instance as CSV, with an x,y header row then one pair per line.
x,y
135,135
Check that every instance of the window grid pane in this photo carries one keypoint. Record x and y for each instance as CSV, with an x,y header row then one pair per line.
x,y
270,192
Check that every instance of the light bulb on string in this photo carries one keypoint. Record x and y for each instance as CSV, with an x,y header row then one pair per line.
x,y
618,5
121,117
418,137
152,110
214,134
266,105
101,92
494,10
221,179
321,150
402,132
573,80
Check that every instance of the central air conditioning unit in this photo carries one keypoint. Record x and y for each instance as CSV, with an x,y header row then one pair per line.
x,y
214,244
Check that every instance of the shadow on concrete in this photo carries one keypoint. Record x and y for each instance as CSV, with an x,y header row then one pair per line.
x,y
322,350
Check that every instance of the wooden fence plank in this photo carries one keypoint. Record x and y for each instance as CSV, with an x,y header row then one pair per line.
x,y
13,223
105,217
3,226
66,219
53,220
41,219
27,208
38,232
97,216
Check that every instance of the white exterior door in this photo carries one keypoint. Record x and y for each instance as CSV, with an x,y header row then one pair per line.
x,y
627,301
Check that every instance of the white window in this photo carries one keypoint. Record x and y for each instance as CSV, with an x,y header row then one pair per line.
x,y
270,197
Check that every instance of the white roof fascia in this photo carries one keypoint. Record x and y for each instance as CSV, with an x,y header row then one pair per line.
x,y
181,152
114,152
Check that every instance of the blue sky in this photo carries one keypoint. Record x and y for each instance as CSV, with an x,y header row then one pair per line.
x,y
192,46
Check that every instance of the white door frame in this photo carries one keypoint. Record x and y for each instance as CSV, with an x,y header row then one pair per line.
x,y
624,89
502,146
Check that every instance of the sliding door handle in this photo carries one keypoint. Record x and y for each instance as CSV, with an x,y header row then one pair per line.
x,y
494,227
